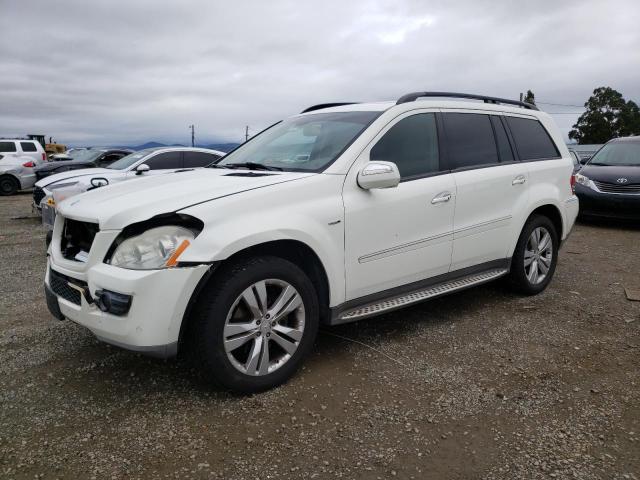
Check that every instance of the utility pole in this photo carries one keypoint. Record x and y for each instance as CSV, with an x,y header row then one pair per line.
x,y
193,135
246,133
521,96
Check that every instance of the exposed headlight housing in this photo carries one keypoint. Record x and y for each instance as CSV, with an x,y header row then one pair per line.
x,y
156,248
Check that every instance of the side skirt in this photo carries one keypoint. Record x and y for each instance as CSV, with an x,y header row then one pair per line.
x,y
399,297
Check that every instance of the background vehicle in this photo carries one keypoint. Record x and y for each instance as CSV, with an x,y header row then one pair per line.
x,y
577,164
138,164
18,157
337,214
609,184
79,159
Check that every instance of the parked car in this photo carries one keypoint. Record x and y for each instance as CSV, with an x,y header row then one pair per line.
x,y
135,165
18,157
343,212
609,184
81,159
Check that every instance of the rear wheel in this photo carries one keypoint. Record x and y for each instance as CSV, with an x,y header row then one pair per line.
x,y
535,257
254,325
8,185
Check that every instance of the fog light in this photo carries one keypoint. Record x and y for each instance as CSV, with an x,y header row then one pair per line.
x,y
112,302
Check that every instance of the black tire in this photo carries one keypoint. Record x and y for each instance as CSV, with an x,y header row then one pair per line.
x,y
214,304
8,185
518,276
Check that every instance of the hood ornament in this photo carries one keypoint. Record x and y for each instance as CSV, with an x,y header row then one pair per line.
x,y
622,180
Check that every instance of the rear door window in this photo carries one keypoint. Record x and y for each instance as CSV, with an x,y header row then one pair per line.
x,y
412,144
7,146
532,140
166,160
470,140
28,147
199,159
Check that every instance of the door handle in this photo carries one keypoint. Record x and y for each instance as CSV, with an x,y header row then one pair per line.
x,y
519,180
441,198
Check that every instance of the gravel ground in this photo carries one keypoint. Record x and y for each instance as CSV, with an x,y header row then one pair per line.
x,y
480,384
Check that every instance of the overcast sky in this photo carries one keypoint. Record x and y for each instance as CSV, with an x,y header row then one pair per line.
x,y
122,72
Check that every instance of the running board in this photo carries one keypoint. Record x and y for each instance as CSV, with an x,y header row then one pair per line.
x,y
406,299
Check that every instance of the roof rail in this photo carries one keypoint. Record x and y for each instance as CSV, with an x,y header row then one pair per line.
x,y
412,97
320,106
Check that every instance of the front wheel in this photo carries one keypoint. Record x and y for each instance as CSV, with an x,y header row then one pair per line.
x,y
255,323
535,257
8,185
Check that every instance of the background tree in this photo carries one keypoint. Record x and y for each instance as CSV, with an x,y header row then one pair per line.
x,y
530,97
607,116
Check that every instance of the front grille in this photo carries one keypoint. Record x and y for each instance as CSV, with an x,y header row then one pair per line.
x,y
628,188
77,237
60,285
38,195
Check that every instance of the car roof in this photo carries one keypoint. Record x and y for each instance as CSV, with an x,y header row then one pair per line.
x,y
633,139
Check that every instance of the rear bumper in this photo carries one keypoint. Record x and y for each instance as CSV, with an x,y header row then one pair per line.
x,y
27,180
571,208
609,205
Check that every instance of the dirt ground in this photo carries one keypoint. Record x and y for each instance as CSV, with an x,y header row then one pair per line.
x,y
479,384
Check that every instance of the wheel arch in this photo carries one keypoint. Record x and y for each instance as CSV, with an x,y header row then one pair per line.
x,y
295,251
13,178
547,208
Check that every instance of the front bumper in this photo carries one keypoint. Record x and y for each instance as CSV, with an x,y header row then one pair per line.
x,y
159,301
610,205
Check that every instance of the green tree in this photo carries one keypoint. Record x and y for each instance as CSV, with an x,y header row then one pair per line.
x,y
608,115
530,97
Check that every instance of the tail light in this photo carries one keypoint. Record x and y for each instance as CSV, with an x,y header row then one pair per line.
x,y
29,164
572,184
44,156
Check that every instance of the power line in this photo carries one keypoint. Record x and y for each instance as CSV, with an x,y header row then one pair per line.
x,y
560,104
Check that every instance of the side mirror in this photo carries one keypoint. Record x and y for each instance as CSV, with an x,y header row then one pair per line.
x,y
584,160
143,167
378,174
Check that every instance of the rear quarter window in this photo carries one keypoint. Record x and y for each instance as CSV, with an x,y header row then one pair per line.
x,y
28,147
532,140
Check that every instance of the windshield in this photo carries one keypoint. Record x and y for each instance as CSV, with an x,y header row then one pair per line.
x,y
126,162
84,155
307,143
618,154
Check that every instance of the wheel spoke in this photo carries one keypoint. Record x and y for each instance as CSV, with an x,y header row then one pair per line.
x,y
286,303
544,242
235,342
535,239
533,272
256,299
288,332
264,356
528,257
232,329
542,266
254,355
287,345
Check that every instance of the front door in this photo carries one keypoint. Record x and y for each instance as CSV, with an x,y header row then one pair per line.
x,y
399,235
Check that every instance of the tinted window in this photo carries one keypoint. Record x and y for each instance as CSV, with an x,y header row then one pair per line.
x,y
532,140
109,158
198,159
504,148
28,147
7,147
165,160
470,140
412,144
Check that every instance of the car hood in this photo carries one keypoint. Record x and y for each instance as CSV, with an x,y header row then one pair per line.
x,y
121,204
83,172
63,163
611,174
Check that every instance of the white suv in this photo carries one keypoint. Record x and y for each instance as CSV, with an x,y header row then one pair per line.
x,y
18,157
340,213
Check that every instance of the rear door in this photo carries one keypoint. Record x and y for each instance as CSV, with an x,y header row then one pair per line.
x,y
491,186
30,150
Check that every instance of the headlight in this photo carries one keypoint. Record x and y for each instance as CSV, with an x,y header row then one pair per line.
x,y
582,180
56,186
158,247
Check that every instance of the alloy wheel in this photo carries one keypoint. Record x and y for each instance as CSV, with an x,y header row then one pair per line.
x,y
538,255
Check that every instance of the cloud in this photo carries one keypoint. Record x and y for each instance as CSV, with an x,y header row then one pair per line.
x,y
116,71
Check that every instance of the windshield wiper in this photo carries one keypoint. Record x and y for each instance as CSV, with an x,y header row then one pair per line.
x,y
251,166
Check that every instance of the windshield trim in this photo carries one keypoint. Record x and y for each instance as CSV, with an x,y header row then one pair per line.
x,y
365,126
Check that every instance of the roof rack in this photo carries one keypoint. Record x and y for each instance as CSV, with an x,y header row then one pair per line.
x,y
320,106
412,97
